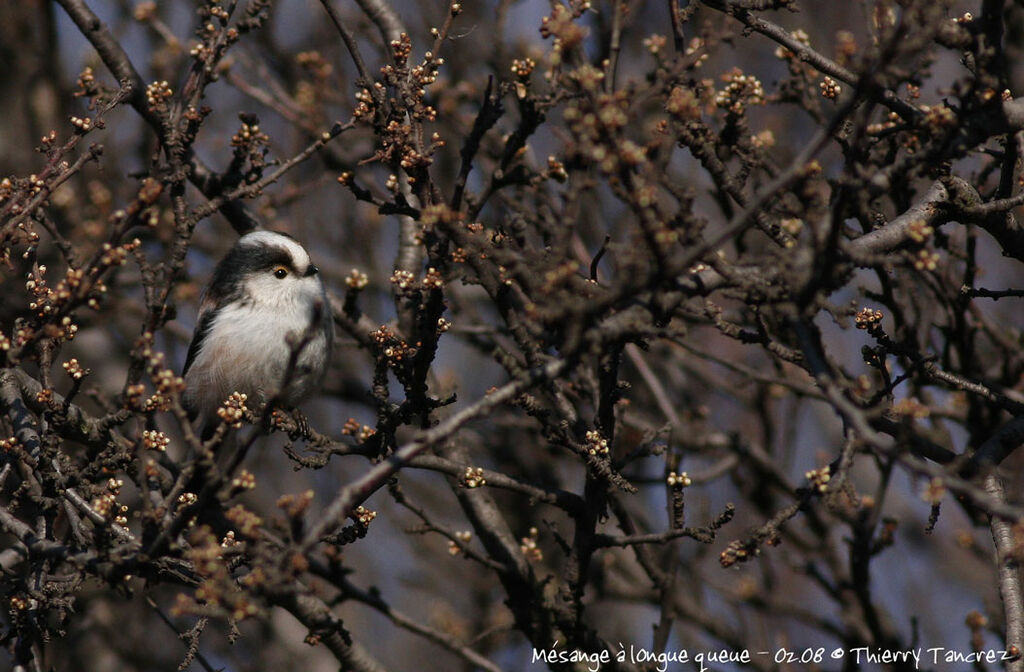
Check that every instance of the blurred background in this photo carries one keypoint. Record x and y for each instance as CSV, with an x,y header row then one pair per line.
x,y
745,424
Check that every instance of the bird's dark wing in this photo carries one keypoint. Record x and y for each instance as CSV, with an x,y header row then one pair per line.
x,y
206,318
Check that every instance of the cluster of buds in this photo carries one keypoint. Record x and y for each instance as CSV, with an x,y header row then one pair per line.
x,y
206,556
461,540
134,396
153,439
695,48
365,103
763,140
361,432
157,94
438,213
118,255
398,144
678,481
75,370
596,444
891,121
12,192
233,411
818,478
846,47
830,88
152,472
357,280
683,104
792,59
199,51
556,170
49,140
249,134
47,301
215,10
82,124
245,480
919,230
473,477
911,408
394,349
295,505
250,146
561,26
9,444
246,522
413,81
736,551
105,503
939,117
443,325
398,353
168,384
257,577
44,299
934,490
868,318
655,43
587,77
145,11
597,123
22,602
926,260
363,516
740,91
186,499
86,84
432,279
122,518
792,225
35,184
314,63
404,281
522,68
529,548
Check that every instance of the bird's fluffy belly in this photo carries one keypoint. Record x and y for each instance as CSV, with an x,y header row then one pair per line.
x,y
226,357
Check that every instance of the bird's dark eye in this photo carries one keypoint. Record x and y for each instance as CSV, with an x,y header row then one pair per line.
x,y
280,272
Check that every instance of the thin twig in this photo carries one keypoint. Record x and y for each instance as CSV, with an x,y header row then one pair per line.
x,y
350,44
357,492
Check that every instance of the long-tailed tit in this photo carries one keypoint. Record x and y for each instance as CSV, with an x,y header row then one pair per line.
x,y
264,296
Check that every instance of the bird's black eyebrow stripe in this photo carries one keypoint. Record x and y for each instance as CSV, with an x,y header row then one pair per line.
x,y
264,258
242,261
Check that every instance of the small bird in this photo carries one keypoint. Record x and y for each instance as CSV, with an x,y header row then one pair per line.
x,y
265,294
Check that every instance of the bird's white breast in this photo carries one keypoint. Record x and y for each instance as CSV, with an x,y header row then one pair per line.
x,y
247,349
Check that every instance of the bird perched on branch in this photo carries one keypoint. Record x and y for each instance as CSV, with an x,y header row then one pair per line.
x,y
264,329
